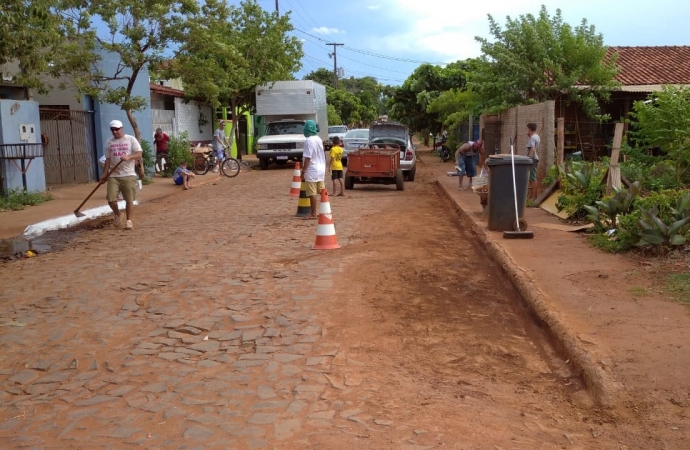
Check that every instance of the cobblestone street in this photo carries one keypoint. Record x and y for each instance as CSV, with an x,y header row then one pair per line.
x,y
213,325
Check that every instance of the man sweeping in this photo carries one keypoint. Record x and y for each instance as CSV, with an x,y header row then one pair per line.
x,y
124,150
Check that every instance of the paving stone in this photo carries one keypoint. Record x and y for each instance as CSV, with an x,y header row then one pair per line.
x,y
263,357
285,429
55,377
296,407
72,385
143,351
335,382
252,334
137,363
298,349
257,443
174,324
265,392
272,332
204,419
36,389
24,377
122,432
172,334
263,418
271,405
188,351
206,346
218,334
170,356
149,345
95,400
244,431
308,339
189,339
222,358
248,363
41,364
272,367
173,412
9,424
238,318
290,370
349,413
155,388
286,357
197,432
81,413
189,330
196,401
165,341
317,361
382,422
207,364
322,415
200,324
311,329
120,391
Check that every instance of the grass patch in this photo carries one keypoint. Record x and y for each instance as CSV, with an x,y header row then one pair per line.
x,y
603,242
638,291
679,286
146,181
17,199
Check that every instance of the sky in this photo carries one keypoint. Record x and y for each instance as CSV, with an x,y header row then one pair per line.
x,y
388,39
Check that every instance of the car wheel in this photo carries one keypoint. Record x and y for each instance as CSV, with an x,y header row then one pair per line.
x,y
349,182
411,173
263,163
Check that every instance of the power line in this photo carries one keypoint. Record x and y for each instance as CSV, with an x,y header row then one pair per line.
x,y
376,55
326,63
335,62
313,22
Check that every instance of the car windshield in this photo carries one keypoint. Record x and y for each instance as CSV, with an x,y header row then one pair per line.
x,y
284,128
357,134
337,129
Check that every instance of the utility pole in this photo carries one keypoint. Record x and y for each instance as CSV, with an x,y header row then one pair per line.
x,y
335,62
277,9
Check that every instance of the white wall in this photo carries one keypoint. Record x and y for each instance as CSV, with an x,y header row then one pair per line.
x,y
187,117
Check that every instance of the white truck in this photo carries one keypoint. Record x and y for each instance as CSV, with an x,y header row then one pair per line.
x,y
285,106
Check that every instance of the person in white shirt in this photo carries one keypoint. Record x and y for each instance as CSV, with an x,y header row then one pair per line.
x,y
125,148
314,165
533,142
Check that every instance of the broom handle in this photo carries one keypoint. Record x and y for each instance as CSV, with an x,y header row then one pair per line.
x,y
98,185
512,163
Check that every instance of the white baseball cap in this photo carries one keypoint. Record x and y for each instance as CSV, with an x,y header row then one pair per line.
x,y
115,124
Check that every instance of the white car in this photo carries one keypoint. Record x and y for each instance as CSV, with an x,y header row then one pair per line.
x,y
353,139
336,130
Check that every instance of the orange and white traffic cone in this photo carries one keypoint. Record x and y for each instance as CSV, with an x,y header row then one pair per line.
x,y
296,181
325,230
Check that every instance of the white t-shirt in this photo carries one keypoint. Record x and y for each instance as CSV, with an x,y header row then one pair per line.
x,y
313,149
114,148
534,141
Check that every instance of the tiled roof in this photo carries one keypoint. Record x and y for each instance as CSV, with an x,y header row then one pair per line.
x,y
653,65
165,90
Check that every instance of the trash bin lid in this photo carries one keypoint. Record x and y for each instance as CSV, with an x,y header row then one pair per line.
x,y
499,160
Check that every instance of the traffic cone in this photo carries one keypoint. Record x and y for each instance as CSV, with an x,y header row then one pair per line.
x,y
296,181
325,230
303,202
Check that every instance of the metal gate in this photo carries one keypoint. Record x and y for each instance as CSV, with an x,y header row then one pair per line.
x,y
69,146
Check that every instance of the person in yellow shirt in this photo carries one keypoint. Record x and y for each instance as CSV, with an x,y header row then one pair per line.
x,y
336,164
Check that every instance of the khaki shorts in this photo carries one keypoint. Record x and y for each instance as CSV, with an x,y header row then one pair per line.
x,y
126,185
314,188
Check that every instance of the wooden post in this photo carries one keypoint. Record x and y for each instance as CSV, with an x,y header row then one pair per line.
x,y
560,149
614,176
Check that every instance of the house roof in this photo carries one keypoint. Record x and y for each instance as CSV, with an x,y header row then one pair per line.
x,y
165,90
649,67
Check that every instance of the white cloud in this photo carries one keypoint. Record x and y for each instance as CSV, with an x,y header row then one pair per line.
x,y
445,30
374,7
327,31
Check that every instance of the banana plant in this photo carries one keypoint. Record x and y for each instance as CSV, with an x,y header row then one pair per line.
x,y
605,214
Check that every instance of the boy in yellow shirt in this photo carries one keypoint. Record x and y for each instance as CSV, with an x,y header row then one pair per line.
x,y
336,165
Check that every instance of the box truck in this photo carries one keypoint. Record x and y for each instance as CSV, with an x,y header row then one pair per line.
x,y
285,106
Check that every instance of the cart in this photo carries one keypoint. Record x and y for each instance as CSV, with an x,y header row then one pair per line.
x,y
375,164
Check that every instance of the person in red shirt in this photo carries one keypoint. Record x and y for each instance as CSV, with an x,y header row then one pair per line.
x,y
160,145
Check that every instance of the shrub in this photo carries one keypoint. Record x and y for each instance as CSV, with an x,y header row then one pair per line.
x,y
16,199
178,151
148,159
673,232
581,186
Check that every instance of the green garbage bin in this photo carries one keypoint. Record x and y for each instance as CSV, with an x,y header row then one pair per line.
x,y
501,198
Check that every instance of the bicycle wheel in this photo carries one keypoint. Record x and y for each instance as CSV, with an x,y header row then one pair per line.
x,y
230,167
200,165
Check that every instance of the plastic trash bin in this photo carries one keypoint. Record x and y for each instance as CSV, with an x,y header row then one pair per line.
x,y
501,199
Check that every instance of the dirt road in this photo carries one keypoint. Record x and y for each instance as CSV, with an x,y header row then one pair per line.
x,y
213,325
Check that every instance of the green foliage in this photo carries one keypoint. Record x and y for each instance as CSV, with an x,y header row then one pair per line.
x,y
321,76
333,116
16,199
609,244
654,174
664,123
148,158
679,285
653,231
604,215
534,59
178,151
228,50
139,33
581,186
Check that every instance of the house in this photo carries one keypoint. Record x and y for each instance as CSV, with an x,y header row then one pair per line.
x,y
174,115
642,71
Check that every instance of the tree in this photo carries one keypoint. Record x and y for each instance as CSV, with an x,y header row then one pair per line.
x,y
664,122
321,76
36,39
542,58
347,105
333,116
229,50
138,32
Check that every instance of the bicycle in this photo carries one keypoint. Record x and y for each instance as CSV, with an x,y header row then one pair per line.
x,y
229,166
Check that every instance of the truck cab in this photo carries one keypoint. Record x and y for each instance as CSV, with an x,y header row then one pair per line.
x,y
283,141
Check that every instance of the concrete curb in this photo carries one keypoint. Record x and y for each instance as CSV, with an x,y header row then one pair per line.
x,y
604,388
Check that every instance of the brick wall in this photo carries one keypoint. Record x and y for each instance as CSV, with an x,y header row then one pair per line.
x,y
187,119
514,123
